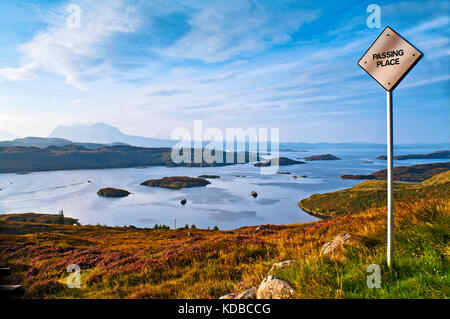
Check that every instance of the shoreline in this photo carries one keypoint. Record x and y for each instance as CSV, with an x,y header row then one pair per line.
x,y
312,213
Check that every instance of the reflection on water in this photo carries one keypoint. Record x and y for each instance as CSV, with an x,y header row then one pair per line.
x,y
226,202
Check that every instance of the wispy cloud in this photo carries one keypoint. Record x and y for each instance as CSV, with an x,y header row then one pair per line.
x,y
73,52
426,82
435,24
226,29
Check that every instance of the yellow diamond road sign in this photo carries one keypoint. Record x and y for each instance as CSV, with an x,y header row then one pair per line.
x,y
389,59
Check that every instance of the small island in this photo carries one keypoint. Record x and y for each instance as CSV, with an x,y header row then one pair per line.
x,y
113,192
324,157
282,161
209,176
176,182
436,155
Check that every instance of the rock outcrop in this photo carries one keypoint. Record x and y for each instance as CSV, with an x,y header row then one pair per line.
x,y
248,294
282,265
262,228
274,288
336,244
270,288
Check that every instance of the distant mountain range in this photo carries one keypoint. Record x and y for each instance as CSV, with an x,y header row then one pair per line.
x,y
43,142
99,134
5,136
104,133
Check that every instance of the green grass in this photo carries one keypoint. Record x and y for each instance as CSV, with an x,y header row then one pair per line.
x,y
420,268
372,193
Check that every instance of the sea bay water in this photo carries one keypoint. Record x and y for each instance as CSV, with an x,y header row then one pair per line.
x,y
226,202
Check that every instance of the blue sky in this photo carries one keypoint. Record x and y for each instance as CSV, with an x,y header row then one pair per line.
x,y
149,67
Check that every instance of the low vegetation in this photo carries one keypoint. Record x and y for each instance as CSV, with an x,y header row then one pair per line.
x,y
39,218
176,182
69,157
370,194
324,157
413,173
113,192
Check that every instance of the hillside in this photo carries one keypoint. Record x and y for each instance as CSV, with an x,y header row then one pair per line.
x,y
445,154
70,157
373,194
413,173
38,218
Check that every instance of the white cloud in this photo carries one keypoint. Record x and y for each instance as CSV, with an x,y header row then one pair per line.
x,y
72,52
426,82
437,23
230,28
18,74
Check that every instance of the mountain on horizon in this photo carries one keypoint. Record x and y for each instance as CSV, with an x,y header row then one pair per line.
x,y
43,142
107,134
6,136
104,133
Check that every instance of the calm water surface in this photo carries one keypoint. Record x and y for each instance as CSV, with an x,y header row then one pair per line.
x,y
226,202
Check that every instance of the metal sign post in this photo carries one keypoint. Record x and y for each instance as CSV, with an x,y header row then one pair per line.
x,y
390,191
388,61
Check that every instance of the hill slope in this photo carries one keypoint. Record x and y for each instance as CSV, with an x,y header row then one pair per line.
x,y
445,154
70,157
373,194
413,173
